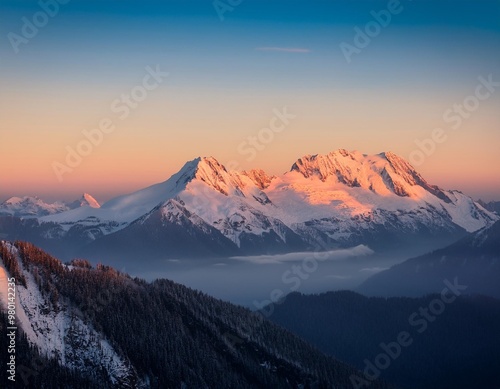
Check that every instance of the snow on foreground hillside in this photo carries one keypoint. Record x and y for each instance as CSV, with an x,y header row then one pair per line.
x,y
56,327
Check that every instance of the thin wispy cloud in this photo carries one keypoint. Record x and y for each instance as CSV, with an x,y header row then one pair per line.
x,y
299,50
334,255
337,277
374,269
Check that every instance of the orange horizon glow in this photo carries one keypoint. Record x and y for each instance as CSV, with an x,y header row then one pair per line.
x,y
222,89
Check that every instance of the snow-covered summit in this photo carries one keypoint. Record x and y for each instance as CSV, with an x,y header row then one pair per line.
x,y
348,184
215,175
340,163
85,201
382,173
31,206
342,197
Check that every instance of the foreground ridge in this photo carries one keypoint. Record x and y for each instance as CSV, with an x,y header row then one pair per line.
x,y
123,332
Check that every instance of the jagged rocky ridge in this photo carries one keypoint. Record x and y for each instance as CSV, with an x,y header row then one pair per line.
x,y
325,201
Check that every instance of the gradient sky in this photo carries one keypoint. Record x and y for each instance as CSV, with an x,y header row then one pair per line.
x,y
226,78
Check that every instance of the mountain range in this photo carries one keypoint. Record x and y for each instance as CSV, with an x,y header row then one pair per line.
x,y
327,201
29,206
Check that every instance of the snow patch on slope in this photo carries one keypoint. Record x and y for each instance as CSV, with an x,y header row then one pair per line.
x,y
467,213
59,332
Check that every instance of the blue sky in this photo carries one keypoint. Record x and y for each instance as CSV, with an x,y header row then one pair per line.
x,y
232,73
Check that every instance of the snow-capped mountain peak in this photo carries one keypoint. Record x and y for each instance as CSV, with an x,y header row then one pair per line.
x,y
30,206
383,173
209,171
215,175
341,198
85,201
347,167
89,201
409,175
33,206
